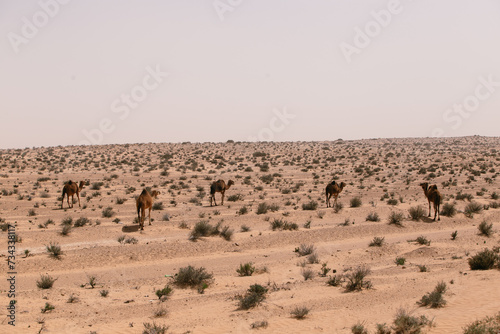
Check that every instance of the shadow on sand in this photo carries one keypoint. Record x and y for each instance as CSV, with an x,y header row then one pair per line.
x,y
130,228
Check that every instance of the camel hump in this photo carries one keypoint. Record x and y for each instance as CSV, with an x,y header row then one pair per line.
x,y
70,182
144,192
333,183
433,187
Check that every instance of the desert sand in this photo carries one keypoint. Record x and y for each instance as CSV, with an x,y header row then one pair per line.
x,y
384,173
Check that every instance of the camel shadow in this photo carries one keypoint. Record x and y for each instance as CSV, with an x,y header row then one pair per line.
x,y
130,228
427,220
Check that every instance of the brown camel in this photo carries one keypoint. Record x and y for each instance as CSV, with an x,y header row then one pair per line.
x,y
70,189
219,187
143,202
433,195
333,189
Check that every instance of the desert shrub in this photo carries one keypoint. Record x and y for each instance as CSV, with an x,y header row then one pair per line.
x,y
96,185
246,269
32,212
300,312
400,261
262,208
54,250
435,298
373,217
485,228
48,307
448,210
422,268
307,274
226,233
255,295
304,249
356,279
359,328
67,221
66,229
484,260
259,324
356,202
45,282
274,207
154,328
454,235
396,218
244,228
201,229
108,212
166,217
494,205
416,212
336,280
383,329
158,206
392,201
131,240
104,293
121,239
82,221
423,240
461,196
404,323
243,210
235,198
92,281
488,325
72,299
472,208
120,200
164,293
312,205
192,277
337,207
377,242
324,270
313,258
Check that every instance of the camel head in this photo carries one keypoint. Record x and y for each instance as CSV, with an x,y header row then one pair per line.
x,y
230,183
82,183
155,193
342,185
424,186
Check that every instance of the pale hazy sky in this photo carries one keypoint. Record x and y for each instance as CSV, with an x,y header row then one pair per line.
x,y
341,68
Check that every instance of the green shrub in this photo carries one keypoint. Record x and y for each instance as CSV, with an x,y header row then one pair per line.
x,y
82,221
417,212
404,323
158,206
488,325
164,293
373,217
448,210
246,269
483,260
45,282
377,242
255,295
54,250
356,279
435,298
192,277
356,202
396,218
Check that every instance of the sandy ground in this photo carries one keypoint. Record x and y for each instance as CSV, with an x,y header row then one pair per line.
x,y
374,170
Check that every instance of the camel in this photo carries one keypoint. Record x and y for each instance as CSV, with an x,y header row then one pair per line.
x,y
333,189
219,187
70,189
433,195
143,202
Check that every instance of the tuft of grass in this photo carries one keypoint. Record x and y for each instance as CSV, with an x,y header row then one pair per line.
x,y
72,299
406,323
307,274
359,328
104,293
192,277
356,202
262,208
235,198
300,312
158,206
255,295
422,268
454,235
336,280
45,282
356,279
313,258
435,298
82,221
259,324
383,329
484,260
120,201
417,212
226,233
400,261
154,328
396,218
448,210
472,208
337,207
54,250
108,212
245,228
373,217
485,228
324,270
201,229
312,205
304,249
243,210
67,221
92,281
48,307
423,241
377,242
66,230
246,269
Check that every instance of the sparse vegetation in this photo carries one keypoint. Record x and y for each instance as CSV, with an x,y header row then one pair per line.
x,y
484,260
246,269
373,217
435,298
485,228
473,208
192,277
255,295
448,210
300,312
54,250
356,202
417,212
396,218
356,279
488,325
45,282
304,249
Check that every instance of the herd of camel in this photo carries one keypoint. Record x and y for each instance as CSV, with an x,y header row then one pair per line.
x,y
145,200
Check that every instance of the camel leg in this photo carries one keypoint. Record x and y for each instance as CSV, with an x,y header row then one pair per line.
x,y
69,206
327,201
429,209
143,217
222,198
215,202
78,195
149,215
62,202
